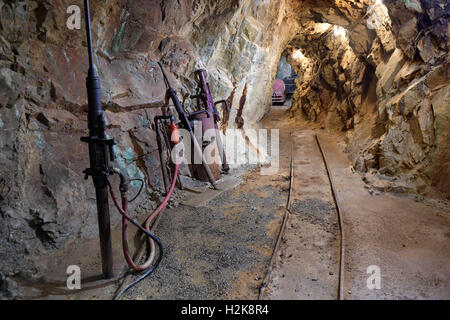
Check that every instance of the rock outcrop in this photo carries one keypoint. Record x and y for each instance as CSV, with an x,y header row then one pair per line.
x,y
45,203
383,80
381,76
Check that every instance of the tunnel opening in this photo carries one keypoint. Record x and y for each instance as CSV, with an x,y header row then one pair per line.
x,y
354,81
285,83
322,55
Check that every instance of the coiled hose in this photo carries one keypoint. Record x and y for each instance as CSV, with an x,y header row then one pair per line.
x,y
124,211
126,218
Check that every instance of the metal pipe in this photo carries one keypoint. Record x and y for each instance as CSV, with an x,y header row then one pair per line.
x,y
158,120
88,31
160,150
104,231
169,148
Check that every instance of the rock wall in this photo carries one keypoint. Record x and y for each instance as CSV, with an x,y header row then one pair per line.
x,y
370,83
284,68
45,203
381,76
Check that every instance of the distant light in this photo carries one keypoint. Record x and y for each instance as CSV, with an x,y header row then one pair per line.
x,y
298,55
339,31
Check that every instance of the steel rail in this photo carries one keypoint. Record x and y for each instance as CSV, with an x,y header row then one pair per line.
x,y
341,223
266,280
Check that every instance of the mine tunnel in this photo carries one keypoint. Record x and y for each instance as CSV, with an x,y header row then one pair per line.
x,y
230,149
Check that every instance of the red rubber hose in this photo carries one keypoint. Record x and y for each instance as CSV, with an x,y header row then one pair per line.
x,y
124,210
166,199
125,217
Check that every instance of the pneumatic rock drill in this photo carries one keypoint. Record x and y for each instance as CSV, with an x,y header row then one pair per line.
x,y
186,125
206,102
101,156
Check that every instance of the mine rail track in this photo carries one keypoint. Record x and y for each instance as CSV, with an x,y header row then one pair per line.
x,y
340,293
282,230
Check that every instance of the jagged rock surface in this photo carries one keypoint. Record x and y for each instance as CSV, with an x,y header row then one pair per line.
x,y
45,203
385,83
